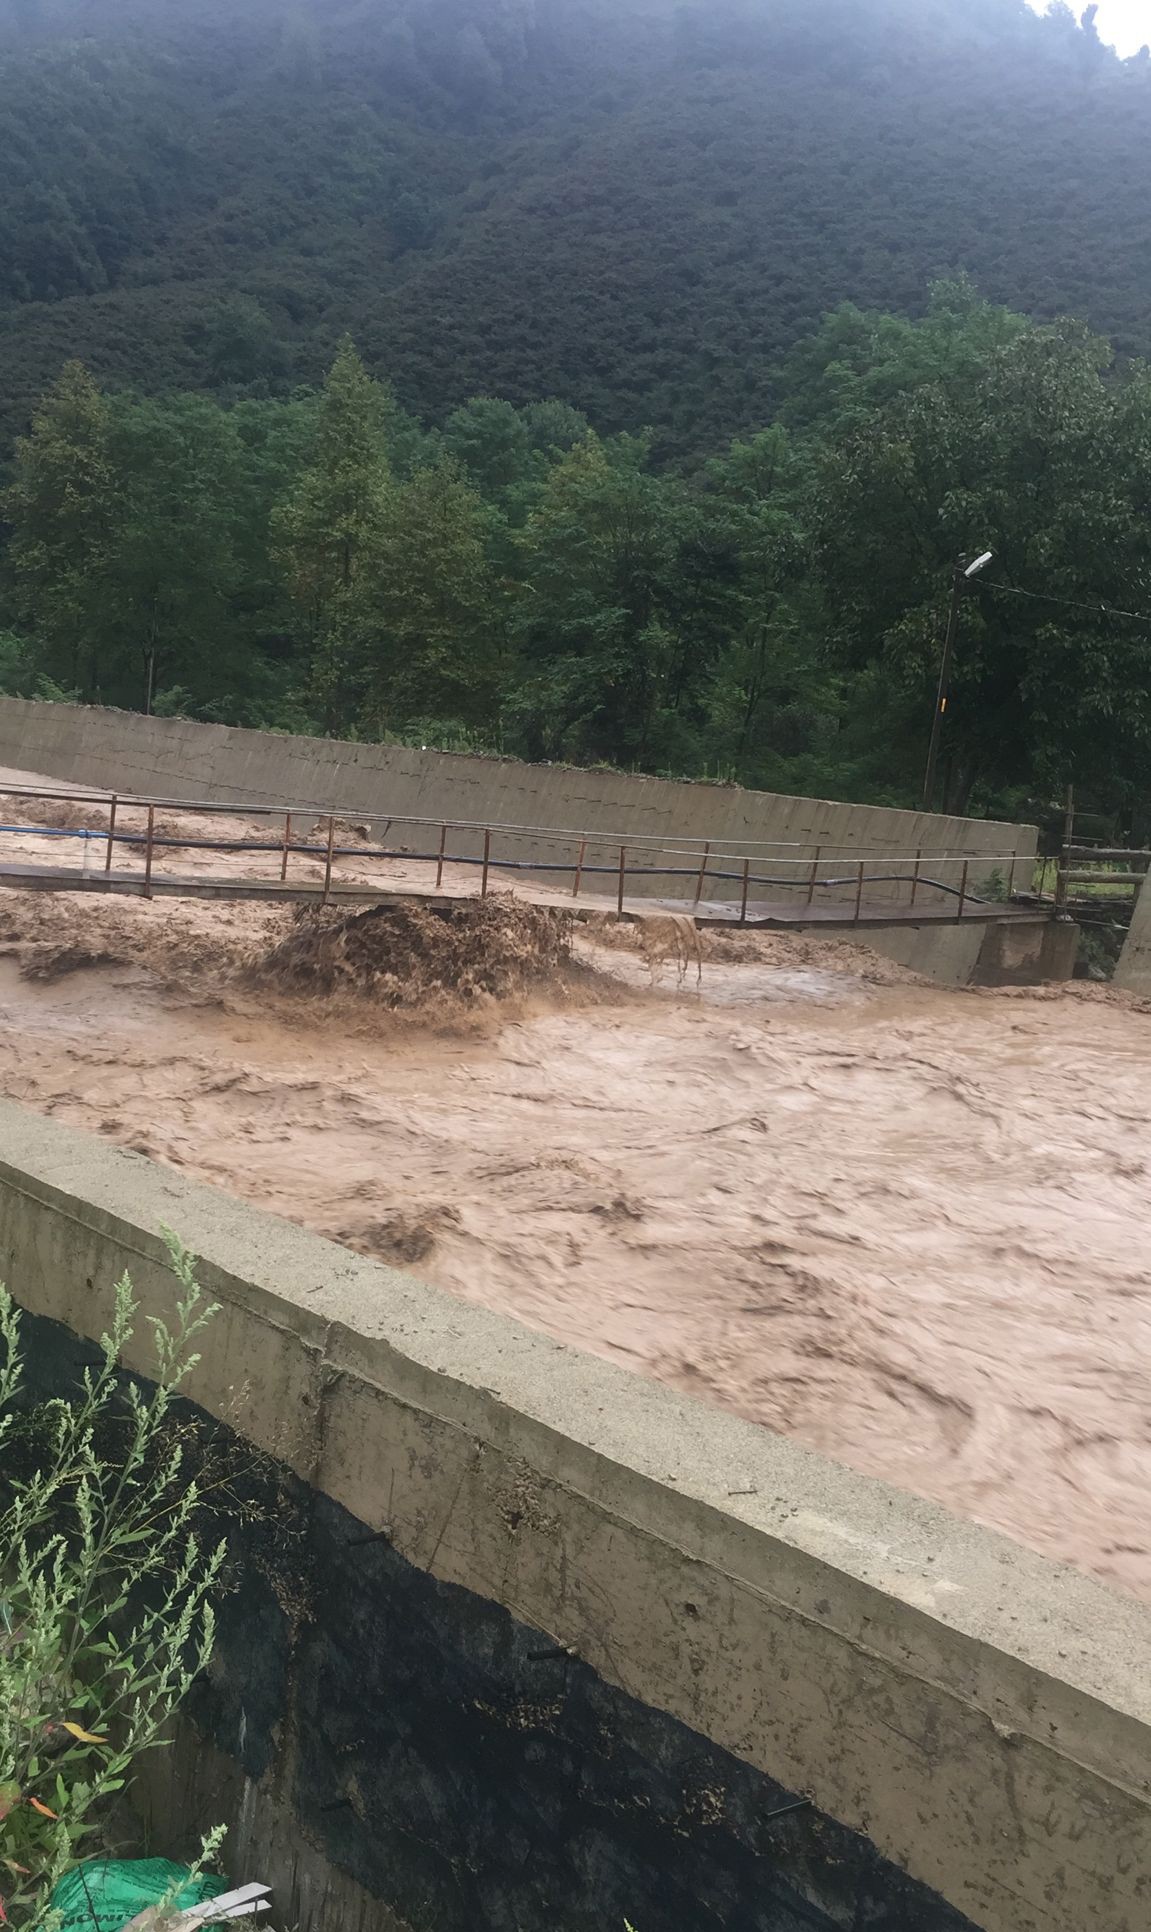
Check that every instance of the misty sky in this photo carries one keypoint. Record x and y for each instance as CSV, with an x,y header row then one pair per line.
x,y
1126,24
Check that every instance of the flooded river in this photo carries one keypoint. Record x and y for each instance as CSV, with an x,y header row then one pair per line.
x,y
904,1226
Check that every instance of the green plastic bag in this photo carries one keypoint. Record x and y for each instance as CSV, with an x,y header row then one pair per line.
x,y
104,1895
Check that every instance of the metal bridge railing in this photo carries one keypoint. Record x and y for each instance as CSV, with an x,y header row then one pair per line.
x,y
815,872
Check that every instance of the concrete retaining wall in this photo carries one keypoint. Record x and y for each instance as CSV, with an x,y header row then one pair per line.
x,y
170,757
603,1635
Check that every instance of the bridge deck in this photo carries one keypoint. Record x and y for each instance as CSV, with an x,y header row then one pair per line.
x,y
761,914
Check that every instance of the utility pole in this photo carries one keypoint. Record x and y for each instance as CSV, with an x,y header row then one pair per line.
x,y
961,577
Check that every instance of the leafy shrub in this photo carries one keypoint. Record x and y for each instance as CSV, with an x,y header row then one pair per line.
x,y
105,1589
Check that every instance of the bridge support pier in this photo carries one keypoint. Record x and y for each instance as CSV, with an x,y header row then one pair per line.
x,y
1028,955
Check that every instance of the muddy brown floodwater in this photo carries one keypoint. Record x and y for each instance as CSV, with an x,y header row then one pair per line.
x,y
904,1226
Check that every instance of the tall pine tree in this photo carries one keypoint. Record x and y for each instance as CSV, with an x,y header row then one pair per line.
x,y
602,552
439,651
63,505
329,534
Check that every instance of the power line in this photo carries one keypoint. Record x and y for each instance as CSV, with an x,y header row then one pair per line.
x,y
1068,603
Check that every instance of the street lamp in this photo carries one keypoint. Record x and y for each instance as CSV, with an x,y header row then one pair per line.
x,y
962,575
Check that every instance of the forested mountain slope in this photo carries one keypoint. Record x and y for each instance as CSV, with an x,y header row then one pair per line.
x,y
637,207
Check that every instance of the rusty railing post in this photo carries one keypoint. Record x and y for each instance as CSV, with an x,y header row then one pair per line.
x,y
963,886
859,890
622,875
440,856
746,887
699,884
111,833
814,880
487,863
915,875
579,868
328,864
148,852
287,844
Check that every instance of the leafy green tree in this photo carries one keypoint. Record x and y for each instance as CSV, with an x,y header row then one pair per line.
x,y
65,511
329,534
242,346
438,617
414,220
173,568
857,361
22,676
601,550
491,440
263,682
756,500
139,542
1041,457
554,427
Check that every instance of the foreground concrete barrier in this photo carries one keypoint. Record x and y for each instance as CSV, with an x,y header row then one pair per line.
x,y
519,1640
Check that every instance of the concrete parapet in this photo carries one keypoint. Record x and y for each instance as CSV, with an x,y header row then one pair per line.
x,y
728,1621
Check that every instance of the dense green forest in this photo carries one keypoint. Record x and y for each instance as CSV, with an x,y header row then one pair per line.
x,y
602,380
636,205
511,579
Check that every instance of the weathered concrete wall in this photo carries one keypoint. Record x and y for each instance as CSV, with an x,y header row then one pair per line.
x,y
1134,969
170,757
1028,955
949,954
606,1632
173,758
